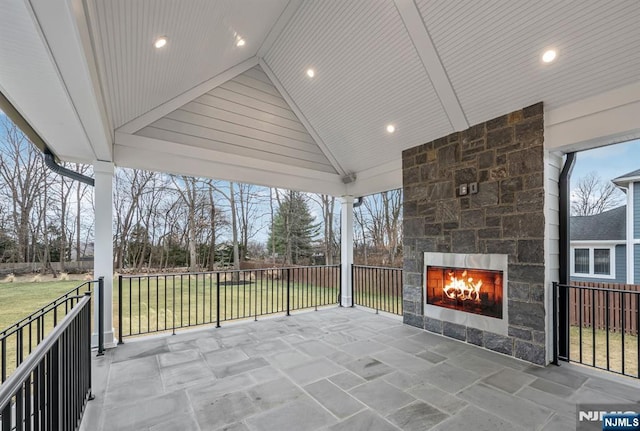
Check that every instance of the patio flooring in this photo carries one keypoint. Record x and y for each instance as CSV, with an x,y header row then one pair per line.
x,y
334,369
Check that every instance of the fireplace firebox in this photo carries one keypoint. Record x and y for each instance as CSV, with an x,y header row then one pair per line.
x,y
467,289
476,291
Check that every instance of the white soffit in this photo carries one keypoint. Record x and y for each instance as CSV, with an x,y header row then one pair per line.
x,y
368,75
152,154
30,80
245,116
202,37
491,50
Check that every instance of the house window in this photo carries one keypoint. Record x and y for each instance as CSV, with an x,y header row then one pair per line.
x,y
596,261
601,261
581,261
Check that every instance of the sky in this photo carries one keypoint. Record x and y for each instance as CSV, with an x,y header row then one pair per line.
x,y
609,162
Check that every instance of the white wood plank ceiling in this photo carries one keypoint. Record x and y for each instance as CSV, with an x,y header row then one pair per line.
x,y
245,116
429,67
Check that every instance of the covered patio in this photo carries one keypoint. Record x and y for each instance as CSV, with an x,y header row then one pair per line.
x,y
336,369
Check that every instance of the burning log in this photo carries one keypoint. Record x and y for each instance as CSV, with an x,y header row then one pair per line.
x,y
461,289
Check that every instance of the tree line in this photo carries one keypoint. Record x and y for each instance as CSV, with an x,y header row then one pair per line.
x,y
168,221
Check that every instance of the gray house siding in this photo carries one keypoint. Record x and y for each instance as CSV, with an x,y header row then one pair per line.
x,y
636,211
621,263
621,267
636,263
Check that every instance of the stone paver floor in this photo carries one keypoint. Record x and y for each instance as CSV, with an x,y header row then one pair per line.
x,y
333,369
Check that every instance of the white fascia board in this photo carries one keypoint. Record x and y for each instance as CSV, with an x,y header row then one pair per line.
x,y
157,155
628,179
166,108
378,179
601,102
608,118
70,51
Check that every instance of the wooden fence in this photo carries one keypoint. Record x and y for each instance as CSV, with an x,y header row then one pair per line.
x,y
623,308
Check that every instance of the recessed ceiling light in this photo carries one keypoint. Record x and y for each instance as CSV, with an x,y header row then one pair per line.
x,y
240,42
391,128
549,55
160,42
311,73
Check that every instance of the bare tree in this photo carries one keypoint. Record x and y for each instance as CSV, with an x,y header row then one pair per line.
x,y
187,187
23,172
130,185
248,206
378,227
273,243
327,205
593,195
82,191
360,232
230,196
64,186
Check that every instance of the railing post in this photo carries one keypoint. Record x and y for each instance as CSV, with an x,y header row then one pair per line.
x,y
173,305
88,343
376,273
340,285
120,337
606,316
217,299
353,285
3,360
100,316
288,288
555,323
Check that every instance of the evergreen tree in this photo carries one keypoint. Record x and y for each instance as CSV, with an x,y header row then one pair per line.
x,y
293,229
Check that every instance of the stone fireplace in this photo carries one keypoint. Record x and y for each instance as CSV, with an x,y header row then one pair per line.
x,y
479,192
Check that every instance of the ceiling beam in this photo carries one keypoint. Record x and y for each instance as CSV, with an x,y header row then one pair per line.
x,y
428,54
67,38
387,176
296,110
606,118
160,111
140,152
278,27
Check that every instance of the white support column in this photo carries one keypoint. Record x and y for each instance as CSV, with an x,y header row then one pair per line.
x,y
103,250
346,248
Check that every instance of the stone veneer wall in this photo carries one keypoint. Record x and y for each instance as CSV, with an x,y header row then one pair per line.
x,y
506,216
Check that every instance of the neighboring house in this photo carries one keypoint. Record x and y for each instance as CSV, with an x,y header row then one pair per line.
x,y
606,247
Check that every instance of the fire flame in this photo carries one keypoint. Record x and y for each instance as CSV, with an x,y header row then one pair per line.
x,y
464,290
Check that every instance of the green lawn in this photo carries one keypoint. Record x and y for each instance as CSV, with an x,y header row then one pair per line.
x,y
615,349
18,300
151,305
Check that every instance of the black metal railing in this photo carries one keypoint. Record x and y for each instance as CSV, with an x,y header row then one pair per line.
x,y
166,302
377,287
600,327
18,340
49,390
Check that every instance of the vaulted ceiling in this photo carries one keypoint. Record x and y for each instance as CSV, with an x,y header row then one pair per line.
x,y
87,77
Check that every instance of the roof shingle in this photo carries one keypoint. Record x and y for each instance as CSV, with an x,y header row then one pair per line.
x,y
609,225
